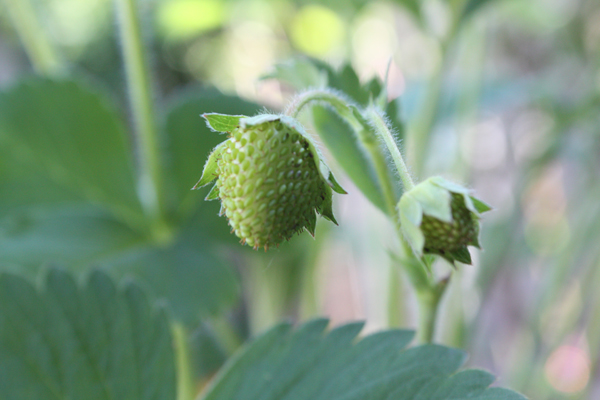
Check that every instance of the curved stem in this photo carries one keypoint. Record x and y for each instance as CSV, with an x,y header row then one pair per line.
x,y
142,108
317,95
366,137
36,43
388,138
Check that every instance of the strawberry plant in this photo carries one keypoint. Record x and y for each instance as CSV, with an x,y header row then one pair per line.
x,y
139,281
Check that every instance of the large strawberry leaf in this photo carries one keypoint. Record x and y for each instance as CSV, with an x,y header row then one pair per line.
x,y
68,133
92,341
307,363
68,193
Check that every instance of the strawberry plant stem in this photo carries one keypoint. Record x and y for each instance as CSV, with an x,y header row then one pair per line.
x,y
185,378
378,122
35,41
142,109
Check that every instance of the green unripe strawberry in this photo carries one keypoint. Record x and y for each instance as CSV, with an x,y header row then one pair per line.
x,y
270,178
440,217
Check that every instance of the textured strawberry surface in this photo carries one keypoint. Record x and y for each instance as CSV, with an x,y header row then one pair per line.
x,y
269,184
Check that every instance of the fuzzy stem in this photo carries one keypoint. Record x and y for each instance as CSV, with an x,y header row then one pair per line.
x,y
142,108
368,140
316,95
384,132
37,46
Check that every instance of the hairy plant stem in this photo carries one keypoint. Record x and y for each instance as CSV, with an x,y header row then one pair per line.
x,y
142,108
428,292
37,46
366,138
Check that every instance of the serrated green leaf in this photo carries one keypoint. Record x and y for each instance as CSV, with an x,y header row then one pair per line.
x,y
210,167
186,274
90,341
309,363
222,122
70,134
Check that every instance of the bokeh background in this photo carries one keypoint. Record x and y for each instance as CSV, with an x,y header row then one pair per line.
x,y
509,93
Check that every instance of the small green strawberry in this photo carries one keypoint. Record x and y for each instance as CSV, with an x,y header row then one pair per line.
x,y
270,178
440,217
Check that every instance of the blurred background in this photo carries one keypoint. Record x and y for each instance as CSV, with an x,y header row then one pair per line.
x,y
508,95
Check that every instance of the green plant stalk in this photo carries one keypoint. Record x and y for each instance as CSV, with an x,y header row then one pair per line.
x,y
381,127
186,389
227,335
429,293
370,143
37,46
142,108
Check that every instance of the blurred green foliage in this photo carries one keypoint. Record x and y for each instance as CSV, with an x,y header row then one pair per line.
x,y
505,94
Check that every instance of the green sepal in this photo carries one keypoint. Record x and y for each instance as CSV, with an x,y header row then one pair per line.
x,y
462,255
222,122
213,194
411,215
434,199
334,184
326,209
209,173
480,206
311,224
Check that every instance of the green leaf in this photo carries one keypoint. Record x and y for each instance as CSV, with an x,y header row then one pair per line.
x,y
72,235
309,363
222,122
70,134
91,341
209,173
188,274
341,141
300,73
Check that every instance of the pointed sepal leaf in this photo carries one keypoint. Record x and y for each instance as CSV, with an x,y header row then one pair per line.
x,y
213,194
311,224
222,122
209,173
326,209
462,255
480,205
312,363
82,341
